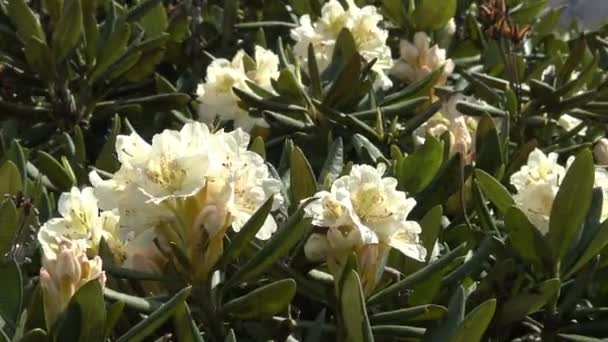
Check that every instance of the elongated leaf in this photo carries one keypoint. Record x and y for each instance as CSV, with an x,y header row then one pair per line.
x,y
488,156
143,8
55,172
247,233
147,326
68,31
418,169
597,244
112,50
10,179
279,245
115,311
433,14
263,302
302,179
35,335
526,240
353,310
11,290
89,299
39,57
494,191
525,303
414,314
334,163
185,327
431,225
24,19
8,225
452,320
475,323
419,276
571,204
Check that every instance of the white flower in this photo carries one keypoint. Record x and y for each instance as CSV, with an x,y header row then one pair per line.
x,y
365,208
63,273
537,184
216,96
540,169
569,122
600,152
419,59
80,221
363,24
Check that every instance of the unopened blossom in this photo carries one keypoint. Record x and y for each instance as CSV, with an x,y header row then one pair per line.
x,y
418,59
63,273
80,221
364,25
216,96
461,128
600,152
364,208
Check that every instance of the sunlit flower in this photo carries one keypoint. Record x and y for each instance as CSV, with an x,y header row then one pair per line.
x,y
365,208
80,221
63,273
419,59
569,122
216,97
188,187
363,24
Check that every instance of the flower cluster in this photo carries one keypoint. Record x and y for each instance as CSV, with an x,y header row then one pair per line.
x,y
362,23
365,213
537,184
216,97
418,59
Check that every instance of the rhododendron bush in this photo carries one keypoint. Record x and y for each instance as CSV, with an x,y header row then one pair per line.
x,y
302,170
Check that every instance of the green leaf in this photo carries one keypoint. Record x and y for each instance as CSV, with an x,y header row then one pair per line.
x,y
185,326
143,8
258,146
155,21
39,57
146,65
571,204
111,50
16,155
11,291
334,163
419,276
395,10
79,145
302,179
488,156
10,179
115,311
91,31
24,19
354,313
8,226
247,233
367,149
433,14
147,326
35,335
452,320
494,191
417,171
92,308
313,73
429,312
106,159
526,239
431,225
527,302
68,30
4,337
597,244
55,172
279,245
475,323
528,12
262,302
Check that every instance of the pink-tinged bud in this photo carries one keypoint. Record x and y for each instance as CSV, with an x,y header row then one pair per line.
x,y
600,152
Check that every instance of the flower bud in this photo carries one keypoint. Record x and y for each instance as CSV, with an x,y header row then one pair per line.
x,y
600,152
